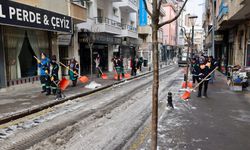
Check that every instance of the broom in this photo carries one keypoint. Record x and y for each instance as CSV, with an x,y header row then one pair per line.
x,y
187,94
83,79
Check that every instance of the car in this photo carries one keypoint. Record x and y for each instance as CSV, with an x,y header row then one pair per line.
x,y
182,61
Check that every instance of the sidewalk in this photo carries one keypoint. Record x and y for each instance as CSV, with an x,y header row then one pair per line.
x,y
27,97
221,121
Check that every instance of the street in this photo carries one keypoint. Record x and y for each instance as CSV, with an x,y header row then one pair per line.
x,y
104,120
124,75
119,118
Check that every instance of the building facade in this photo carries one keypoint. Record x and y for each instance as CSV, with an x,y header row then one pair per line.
x,y
114,23
169,33
232,31
145,31
29,27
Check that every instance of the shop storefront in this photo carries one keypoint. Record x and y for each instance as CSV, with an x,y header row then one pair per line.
x,y
103,44
128,48
26,32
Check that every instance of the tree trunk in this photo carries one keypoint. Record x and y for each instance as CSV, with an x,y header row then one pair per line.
x,y
91,62
155,87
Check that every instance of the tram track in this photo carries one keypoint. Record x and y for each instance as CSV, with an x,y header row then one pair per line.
x,y
48,129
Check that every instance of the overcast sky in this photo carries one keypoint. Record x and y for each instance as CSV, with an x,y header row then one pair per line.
x,y
196,7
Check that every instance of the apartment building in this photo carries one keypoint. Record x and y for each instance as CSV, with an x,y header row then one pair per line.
x,y
145,31
169,32
29,27
115,24
232,31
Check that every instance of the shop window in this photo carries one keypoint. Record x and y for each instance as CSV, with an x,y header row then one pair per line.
x,y
28,63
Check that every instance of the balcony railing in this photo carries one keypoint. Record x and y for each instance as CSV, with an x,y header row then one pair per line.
x,y
133,2
108,25
128,5
107,21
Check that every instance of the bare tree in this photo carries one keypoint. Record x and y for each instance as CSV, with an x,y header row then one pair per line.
x,y
155,25
90,38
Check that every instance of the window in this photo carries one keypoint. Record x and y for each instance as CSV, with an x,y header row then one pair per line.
x,y
115,11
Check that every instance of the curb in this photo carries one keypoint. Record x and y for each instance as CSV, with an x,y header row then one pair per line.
x,y
27,112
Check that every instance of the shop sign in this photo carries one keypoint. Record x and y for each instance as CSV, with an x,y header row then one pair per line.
x,y
219,37
64,39
16,14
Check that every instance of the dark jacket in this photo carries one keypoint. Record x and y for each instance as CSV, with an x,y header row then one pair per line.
x,y
202,73
54,71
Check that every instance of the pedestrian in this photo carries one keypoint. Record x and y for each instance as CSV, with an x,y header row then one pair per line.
x,y
122,66
140,63
55,78
134,66
44,65
195,70
73,71
203,72
117,66
212,64
97,65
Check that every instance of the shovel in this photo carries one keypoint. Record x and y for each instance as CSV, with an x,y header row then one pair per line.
x,y
116,75
189,84
187,94
63,84
83,79
104,76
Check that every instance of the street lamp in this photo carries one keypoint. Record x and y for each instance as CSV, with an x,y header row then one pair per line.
x,y
192,20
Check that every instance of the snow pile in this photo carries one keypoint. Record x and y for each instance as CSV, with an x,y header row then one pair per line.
x,y
93,85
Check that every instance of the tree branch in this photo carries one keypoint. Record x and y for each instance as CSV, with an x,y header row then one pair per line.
x,y
159,5
146,7
173,19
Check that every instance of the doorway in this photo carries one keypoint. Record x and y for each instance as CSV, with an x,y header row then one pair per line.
x,y
85,60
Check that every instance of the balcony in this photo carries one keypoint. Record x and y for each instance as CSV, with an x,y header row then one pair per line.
x,y
107,25
144,30
78,13
129,31
162,11
128,5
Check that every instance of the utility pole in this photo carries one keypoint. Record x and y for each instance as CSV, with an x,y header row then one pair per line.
x,y
213,17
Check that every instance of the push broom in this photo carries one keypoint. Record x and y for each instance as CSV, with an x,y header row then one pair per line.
x,y
187,93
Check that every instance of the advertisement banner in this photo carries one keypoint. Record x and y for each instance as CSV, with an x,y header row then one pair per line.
x,y
16,14
143,15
